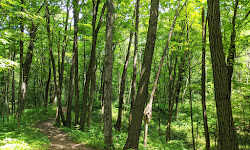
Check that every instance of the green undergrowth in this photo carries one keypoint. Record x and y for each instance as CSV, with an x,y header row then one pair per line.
x,y
27,136
94,137
181,132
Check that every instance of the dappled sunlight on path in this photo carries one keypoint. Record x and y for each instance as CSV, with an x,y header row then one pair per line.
x,y
58,138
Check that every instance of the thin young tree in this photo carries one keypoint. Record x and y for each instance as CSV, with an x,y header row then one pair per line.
x,y
53,64
203,80
13,87
95,31
91,73
133,84
61,71
189,82
123,81
75,47
172,93
47,87
19,110
72,68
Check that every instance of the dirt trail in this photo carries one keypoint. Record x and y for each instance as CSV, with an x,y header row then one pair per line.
x,y
58,138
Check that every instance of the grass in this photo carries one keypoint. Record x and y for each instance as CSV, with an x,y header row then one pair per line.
x,y
27,136
95,137
181,137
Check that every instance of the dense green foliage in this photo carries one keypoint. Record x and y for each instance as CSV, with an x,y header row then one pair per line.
x,y
28,137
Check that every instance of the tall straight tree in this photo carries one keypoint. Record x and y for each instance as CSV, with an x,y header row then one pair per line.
x,y
13,104
91,75
133,88
227,135
123,81
19,110
61,71
172,92
142,93
75,48
47,87
108,75
57,91
203,80
148,109
95,32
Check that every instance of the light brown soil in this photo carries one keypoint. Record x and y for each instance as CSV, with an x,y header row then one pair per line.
x,y
59,139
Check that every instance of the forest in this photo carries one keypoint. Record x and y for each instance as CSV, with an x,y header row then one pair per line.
x,y
125,74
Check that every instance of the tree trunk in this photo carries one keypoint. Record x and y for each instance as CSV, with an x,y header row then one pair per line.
x,y
34,89
27,63
227,135
2,104
142,94
7,97
47,87
57,90
203,80
133,89
108,76
93,51
171,97
75,48
76,18
123,82
19,110
5,91
180,76
91,98
232,50
61,71
13,103
190,85
102,94
148,109
91,66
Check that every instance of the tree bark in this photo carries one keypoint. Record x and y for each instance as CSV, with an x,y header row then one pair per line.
x,y
47,87
57,90
76,19
123,81
227,135
148,109
171,96
19,110
190,85
232,50
94,65
27,63
203,80
13,103
75,50
133,89
61,71
108,76
142,93
6,99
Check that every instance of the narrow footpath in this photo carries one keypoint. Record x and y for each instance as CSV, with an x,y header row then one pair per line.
x,y
59,139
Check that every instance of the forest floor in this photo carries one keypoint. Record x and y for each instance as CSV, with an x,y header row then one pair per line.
x,y
59,139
